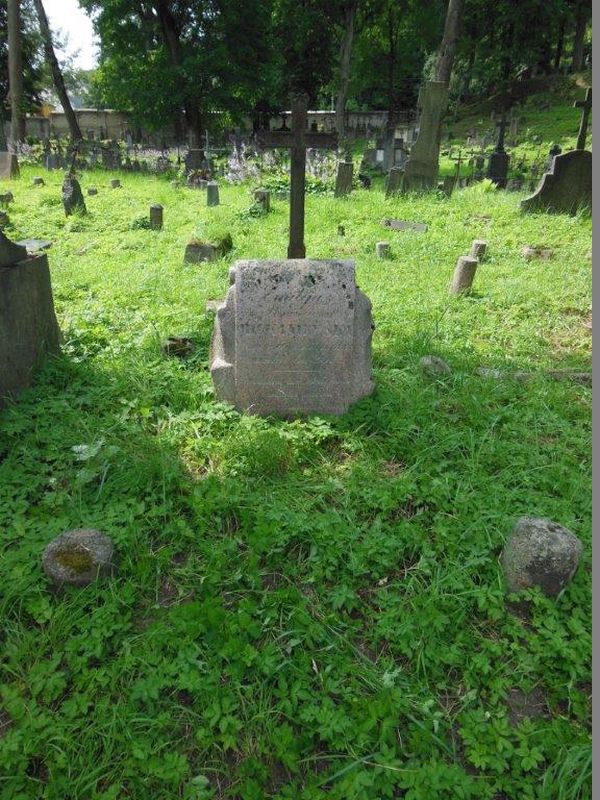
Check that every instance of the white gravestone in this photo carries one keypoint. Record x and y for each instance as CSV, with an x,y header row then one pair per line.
x,y
292,337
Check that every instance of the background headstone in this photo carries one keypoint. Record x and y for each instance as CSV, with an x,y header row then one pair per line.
x,y
156,217
72,196
394,181
343,180
212,194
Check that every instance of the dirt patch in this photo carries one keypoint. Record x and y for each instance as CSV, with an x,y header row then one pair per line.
x,y
392,468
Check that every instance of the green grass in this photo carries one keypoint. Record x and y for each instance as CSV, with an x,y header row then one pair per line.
x,y
303,609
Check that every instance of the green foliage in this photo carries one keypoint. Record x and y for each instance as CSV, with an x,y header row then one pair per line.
x,y
302,609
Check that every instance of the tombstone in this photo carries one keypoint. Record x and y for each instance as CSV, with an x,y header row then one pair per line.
x,y
156,217
72,196
194,159
92,191
212,194
394,181
9,165
499,159
292,337
370,157
263,198
6,198
448,185
197,251
464,274
115,183
343,181
383,250
28,327
421,169
478,248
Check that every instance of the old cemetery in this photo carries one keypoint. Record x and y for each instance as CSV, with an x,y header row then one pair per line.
x,y
295,463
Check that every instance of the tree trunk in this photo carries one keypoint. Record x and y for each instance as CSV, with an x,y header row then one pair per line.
x,y
345,57
580,26
15,73
171,39
57,76
449,41
560,43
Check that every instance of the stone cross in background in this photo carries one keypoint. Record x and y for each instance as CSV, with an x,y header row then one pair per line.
x,y
586,107
297,141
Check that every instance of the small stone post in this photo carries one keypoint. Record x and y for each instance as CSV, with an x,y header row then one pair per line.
x,y
464,274
478,249
212,194
382,250
156,217
115,183
343,181
38,181
92,191
263,198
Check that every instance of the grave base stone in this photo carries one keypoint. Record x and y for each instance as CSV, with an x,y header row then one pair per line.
x,y
28,326
566,188
293,337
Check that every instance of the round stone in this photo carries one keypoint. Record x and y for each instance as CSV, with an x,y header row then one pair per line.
x,y
541,553
434,367
78,557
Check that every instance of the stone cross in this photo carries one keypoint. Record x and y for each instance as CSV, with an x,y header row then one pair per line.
x,y
586,107
297,141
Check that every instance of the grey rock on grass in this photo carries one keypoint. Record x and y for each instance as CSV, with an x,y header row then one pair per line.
x,y
434,367
541,553
78,557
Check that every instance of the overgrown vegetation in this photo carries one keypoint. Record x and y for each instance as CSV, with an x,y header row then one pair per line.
x,y
310,608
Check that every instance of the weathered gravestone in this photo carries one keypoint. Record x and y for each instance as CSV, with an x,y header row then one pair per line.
x,y
293,337
72,196
499,159
28,327
394,181
343,181
567,186
9,165
422,166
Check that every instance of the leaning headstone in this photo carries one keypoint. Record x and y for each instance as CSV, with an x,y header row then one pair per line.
x,y
263,198
421,168
464,274
9,165
28,326
343,180
566,188
72,196
478,248
156,217
394,181
383,250
292,337
78,557
212,193
541,553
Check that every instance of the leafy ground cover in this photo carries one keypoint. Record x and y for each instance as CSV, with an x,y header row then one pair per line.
x,y
303,609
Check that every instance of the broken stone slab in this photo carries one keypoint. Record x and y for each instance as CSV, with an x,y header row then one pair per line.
x,y
522,375
540,553
402,225
293,337
78,557
198,251
566,187
434,367
35,245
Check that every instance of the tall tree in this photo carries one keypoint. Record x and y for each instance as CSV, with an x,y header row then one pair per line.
x,y
15,73
582,12
57,76
349,20
447,49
